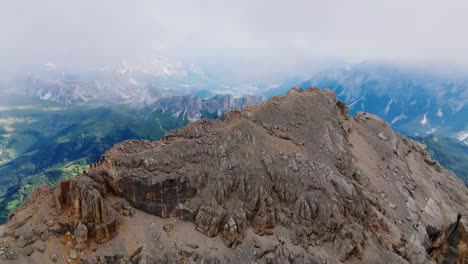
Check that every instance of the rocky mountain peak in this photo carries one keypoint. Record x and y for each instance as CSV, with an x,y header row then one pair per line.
x,y
292,180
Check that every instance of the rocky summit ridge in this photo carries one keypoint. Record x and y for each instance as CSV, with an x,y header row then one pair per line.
x,y
293,180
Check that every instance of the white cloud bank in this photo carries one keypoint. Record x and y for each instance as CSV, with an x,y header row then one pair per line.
x,y
276,32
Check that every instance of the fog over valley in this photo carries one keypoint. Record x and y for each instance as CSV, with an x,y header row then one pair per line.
x,y
246,37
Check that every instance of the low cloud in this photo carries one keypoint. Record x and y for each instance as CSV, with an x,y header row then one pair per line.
x,y
268,36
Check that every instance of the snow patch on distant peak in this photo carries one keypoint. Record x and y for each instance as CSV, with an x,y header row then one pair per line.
x,y
398,118
192,119
462,135
432,130
352,104
46,96
132,81
177,114
459,106
50,64
197,70
424,120
387,108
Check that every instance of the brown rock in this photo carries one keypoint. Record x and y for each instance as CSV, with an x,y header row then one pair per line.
x,y
28,251
93,246
73,254
208,220
45,236
81,233
53,258
41,247
25,240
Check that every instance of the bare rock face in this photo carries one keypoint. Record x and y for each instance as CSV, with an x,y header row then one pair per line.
x,y
449,245
89,215
293,180
209,220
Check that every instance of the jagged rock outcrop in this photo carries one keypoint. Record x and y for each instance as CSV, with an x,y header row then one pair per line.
x,y
449,245
83,200
293,180
193,107
221,104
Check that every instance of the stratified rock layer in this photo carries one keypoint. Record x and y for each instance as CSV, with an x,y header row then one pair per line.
x,y
293,180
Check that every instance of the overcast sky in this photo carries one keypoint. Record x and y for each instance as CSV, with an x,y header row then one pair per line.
x,y
288,32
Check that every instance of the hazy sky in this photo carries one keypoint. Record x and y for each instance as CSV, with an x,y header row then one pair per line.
x,y
272,32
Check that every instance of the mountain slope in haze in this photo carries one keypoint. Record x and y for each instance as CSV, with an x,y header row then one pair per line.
x,y
295,179
139,95
451,153
139,82
135,81
413,102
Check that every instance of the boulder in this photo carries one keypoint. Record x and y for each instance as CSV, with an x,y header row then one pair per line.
x,y
81,233
28,251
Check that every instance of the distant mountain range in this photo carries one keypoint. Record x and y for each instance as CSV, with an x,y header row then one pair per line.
x,y
414,102
174,89
130,81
